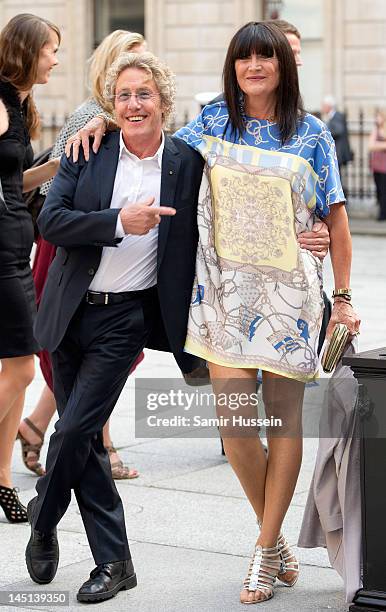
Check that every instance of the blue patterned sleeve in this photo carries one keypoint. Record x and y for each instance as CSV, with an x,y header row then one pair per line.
x,y
192,132
328,187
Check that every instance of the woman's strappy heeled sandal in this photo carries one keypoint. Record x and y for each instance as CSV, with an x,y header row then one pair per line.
x,y
288,562
120,471
12,507
31,452
263,570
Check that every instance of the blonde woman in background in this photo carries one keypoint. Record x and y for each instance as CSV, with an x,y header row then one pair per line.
x,y
32,429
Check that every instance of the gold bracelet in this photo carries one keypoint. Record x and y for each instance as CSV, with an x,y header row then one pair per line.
x,y
339,292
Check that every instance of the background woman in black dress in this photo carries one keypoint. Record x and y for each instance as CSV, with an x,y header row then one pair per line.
x,y
28,46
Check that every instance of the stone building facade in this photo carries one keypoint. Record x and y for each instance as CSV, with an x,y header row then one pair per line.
x,y
66,88
343,42
355,53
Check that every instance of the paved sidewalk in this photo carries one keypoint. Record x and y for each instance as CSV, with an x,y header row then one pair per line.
x,y
367,227
191,529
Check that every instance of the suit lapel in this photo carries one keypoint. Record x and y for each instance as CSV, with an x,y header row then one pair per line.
x,y
107,168
171,162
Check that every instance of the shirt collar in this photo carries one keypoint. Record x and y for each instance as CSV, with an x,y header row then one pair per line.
x,y
157,155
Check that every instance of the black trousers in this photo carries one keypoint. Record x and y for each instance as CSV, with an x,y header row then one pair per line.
x,y
380,184
91,366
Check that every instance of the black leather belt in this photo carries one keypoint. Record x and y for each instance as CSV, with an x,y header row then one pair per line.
x,y
98,298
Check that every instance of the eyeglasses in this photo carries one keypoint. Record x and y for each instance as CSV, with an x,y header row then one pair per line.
x,y
144,96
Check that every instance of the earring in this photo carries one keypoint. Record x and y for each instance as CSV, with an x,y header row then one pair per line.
x,y
242,103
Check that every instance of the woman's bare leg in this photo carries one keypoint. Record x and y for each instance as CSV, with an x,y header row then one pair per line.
x,y
15,376
268,483
40,416
283,399
8,431
245,454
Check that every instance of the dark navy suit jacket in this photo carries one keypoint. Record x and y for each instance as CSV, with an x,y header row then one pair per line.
x,y
77,218
338,128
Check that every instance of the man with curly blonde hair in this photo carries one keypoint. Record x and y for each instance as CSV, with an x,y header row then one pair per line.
x,y
126,230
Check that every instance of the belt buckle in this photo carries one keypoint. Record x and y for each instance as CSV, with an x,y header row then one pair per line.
x,y
90,295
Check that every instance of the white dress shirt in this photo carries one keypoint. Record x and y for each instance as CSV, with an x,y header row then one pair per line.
x,y
132,265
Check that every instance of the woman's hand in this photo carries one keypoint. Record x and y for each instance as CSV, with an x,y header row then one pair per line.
x,y
96,128
317,240
343,312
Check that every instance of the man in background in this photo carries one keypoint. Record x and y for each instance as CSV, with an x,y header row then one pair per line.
x,y
293,36
337,124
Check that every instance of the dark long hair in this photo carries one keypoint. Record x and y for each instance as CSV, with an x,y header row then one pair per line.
x,y
20,43
266,40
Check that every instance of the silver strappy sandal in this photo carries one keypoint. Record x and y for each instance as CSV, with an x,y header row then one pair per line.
x,y
288,562
262,572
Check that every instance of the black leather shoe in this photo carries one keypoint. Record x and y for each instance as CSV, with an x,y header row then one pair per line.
x,y
106,580
42,552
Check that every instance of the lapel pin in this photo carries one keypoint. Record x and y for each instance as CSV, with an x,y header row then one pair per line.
x,y
170,171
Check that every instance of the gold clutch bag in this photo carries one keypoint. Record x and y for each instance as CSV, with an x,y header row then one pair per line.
x,y
335,347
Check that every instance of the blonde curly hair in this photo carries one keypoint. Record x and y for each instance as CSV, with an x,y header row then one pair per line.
x,y
152,65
